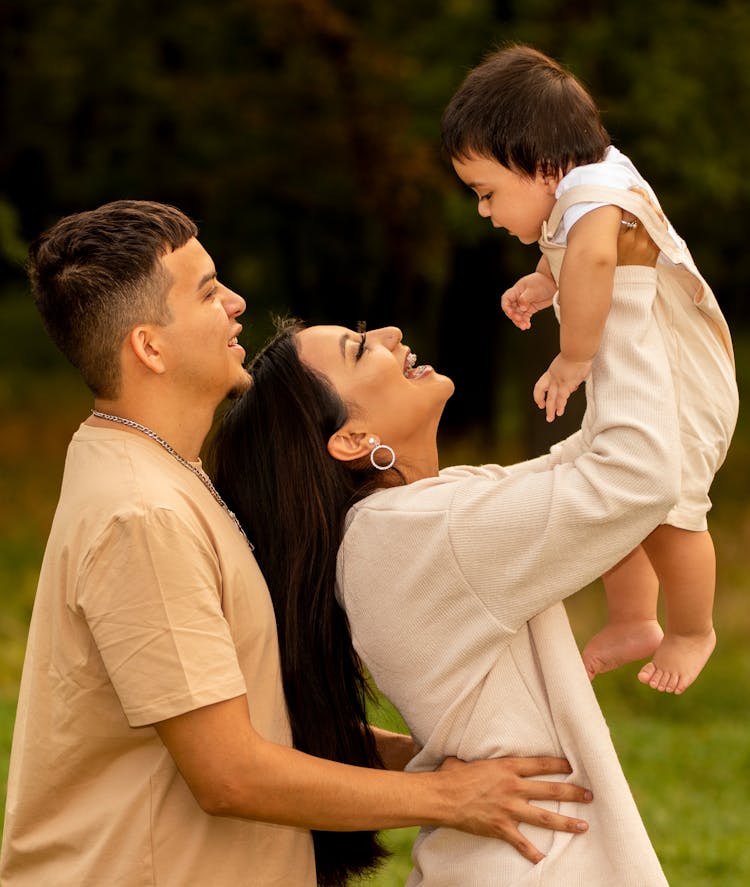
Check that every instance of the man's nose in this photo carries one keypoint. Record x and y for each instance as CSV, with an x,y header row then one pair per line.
x,y
233,303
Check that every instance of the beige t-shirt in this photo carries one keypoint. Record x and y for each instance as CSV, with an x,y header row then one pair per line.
x,y
149,605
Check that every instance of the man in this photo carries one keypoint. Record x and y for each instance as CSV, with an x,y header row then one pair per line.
x,y
152,744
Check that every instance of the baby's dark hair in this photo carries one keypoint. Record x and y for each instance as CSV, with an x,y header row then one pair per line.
x,y
525,111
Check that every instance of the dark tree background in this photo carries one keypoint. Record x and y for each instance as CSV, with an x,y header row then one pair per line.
x,y
303,136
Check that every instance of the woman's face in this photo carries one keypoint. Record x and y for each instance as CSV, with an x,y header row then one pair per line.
x,y
395,399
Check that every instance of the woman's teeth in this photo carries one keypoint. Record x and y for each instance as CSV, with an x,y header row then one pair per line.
x,y
411,371
416,372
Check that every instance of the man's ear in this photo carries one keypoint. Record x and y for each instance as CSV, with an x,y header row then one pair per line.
x,y
144,346
347,445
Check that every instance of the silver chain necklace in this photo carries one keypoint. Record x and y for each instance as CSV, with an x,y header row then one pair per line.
x,y
203,478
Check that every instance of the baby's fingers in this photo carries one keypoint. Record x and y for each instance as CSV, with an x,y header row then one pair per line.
x,y
514,308
548,396
560,402
540,390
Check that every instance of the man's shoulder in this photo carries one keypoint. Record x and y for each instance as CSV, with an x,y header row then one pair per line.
x,y
113,482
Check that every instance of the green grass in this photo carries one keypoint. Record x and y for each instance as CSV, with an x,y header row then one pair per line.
x,y
687,759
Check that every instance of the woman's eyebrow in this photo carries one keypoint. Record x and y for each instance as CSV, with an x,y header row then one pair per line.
x,y
342,344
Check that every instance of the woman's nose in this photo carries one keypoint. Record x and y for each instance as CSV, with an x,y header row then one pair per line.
x,y
390,336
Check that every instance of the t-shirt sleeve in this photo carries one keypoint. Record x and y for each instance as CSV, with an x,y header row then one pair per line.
x,y
606,174
151,595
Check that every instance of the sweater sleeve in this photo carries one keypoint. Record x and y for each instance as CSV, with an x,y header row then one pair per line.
x,y
563,451
537,535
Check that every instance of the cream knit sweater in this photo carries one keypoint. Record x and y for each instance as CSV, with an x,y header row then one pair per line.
x,y
453,588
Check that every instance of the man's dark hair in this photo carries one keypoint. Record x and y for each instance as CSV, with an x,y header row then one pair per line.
x,y
96,274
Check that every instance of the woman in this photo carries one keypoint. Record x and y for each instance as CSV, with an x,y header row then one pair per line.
x,y
452,581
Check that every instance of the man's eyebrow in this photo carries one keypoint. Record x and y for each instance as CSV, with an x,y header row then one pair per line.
x,y
207,277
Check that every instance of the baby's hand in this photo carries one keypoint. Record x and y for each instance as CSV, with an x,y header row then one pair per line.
x,y
554,388
527,296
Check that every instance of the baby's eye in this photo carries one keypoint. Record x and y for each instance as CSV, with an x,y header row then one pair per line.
x,y
485,196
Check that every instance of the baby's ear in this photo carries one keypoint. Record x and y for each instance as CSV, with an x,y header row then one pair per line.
x,y
549,180
346,445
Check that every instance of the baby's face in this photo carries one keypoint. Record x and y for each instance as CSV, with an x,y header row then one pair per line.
x,y
509,199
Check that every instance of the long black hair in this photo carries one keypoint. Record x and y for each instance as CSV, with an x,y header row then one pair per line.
x,y
271,466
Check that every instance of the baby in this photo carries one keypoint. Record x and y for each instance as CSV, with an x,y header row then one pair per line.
x,y
527,138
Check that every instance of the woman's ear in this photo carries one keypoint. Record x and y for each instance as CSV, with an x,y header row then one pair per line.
x,y
144,346
347,445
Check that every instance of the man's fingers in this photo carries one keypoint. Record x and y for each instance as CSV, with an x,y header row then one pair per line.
x,y
532,815
522,845
538,790
540,766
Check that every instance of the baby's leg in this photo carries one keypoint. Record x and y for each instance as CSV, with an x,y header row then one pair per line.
x,y
632,631
685,563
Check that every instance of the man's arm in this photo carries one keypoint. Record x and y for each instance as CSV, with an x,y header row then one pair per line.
x,y
395,749
232,771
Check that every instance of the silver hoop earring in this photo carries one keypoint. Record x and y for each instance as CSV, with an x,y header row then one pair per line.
x,y
389,450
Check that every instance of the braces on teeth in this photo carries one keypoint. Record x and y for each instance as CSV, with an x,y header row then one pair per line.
x,y
411,361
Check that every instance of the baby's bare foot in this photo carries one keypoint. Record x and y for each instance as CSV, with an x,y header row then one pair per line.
x,y
620,643
678,662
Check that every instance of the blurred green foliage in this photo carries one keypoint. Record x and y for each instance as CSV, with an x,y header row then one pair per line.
x,y
303,135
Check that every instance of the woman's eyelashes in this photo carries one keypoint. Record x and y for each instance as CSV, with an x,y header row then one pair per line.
x,y
361,348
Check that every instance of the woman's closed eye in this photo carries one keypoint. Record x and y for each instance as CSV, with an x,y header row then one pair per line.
x,y
361,348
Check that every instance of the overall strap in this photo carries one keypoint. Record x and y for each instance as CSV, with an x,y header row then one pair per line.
x,y
645,212
628,200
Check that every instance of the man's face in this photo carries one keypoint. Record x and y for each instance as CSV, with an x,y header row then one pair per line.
x,y
200,342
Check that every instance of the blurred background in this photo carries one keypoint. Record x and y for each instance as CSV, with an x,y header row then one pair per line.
x,y
303,137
